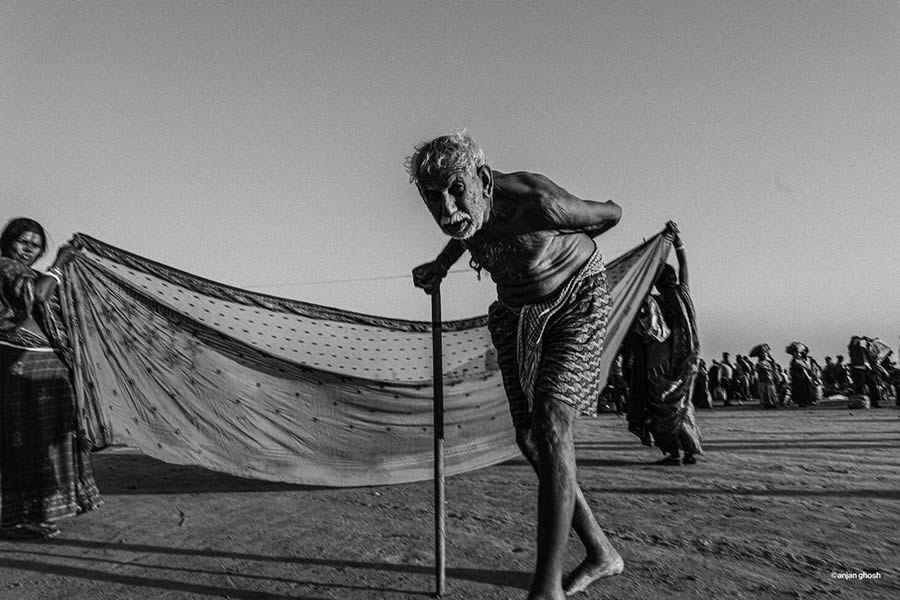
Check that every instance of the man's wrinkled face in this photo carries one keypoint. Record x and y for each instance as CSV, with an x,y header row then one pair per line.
x,y
26,248
458,201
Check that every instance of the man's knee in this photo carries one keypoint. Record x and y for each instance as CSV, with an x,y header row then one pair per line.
x,y
553,424
525,439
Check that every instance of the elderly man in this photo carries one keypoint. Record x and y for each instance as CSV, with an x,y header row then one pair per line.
x,y
548,325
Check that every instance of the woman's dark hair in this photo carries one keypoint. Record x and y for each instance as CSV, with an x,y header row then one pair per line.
x,y
17,227
667,277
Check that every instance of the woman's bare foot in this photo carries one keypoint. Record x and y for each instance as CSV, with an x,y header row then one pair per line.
x,y
590,571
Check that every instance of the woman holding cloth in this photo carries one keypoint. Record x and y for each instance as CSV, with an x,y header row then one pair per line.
x,y
45,468
664,365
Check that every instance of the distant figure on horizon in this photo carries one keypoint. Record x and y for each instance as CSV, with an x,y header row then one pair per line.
x,y
803,376
883,376
828,376
701,397
726,375
751,377
766,375
893,377
741,379
782,383
716,391
842,380
535,240
862,370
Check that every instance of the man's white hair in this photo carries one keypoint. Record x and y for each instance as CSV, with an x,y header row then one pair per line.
x,y
451,153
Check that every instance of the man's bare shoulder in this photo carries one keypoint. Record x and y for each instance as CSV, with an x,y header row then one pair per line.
x,y
523,182
528,191
518,196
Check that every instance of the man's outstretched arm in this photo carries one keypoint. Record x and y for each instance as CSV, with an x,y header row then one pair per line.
x,y
556,208
673,232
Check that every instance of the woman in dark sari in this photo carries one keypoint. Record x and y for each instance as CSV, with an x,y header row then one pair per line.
x,y
804,380
665,371
701,387
45,469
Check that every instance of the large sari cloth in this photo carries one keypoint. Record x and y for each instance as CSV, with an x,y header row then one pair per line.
x,y
192,371
45,469
663,375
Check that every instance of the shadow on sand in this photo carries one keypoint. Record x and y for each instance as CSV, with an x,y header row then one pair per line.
x,y
131,472
883,494
99,552
831,443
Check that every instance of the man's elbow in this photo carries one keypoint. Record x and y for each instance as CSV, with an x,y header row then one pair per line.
x,y
615,213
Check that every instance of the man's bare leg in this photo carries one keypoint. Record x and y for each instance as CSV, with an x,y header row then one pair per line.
x,y
602,559
553,424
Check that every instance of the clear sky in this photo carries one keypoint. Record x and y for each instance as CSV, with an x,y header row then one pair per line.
x,y
261,143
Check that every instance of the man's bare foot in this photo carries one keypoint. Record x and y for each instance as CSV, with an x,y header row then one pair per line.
x,y
545,592
590,571
536,596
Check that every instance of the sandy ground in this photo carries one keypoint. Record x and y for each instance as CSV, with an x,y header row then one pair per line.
x,y
783,505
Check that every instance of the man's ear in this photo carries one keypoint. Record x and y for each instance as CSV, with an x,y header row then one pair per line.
x,y
487,180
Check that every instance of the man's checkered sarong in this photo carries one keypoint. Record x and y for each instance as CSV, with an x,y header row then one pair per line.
x,y
552,350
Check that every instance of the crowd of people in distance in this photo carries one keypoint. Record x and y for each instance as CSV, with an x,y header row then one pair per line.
x,y
871,377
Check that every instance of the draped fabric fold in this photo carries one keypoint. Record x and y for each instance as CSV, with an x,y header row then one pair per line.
x,y
191,371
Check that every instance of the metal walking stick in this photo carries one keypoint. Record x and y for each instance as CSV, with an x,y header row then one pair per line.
x,y
439,509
